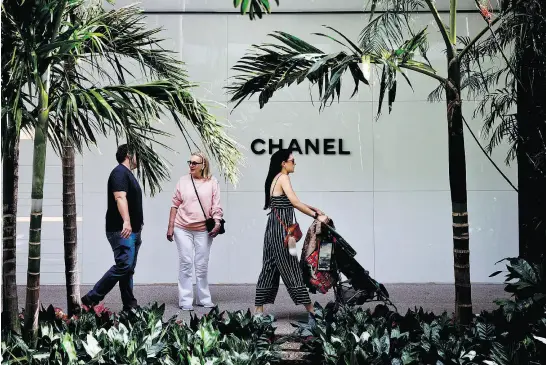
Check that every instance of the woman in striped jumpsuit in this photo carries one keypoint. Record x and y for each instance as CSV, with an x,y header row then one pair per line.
x,y
277,260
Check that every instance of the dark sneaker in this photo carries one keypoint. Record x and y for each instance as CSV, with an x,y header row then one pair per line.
x,y
129,309
87,301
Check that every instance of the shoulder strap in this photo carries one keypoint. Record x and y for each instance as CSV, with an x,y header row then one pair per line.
x,y
276,181
279,218
199,200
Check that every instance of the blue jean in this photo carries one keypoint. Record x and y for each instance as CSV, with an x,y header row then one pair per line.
x,y
125,255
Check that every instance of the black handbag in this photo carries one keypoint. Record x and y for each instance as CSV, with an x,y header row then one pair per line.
x,y
209,222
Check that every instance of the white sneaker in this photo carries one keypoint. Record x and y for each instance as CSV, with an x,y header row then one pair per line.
x,y
207,305
187,308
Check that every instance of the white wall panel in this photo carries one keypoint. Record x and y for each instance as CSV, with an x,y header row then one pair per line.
x,y
493,219
410,148
413,237
244,237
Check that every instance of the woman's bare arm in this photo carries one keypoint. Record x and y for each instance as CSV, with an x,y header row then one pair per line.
x,y
287,188
314,209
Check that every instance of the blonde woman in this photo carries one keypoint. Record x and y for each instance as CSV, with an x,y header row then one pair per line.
x,y
196,199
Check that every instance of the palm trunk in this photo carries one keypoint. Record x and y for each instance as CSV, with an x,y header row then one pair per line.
x,y
70,231
10,301
35,232
457,183
69,209
531,112
32,303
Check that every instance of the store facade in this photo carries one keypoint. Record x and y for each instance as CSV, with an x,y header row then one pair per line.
x,y
384,182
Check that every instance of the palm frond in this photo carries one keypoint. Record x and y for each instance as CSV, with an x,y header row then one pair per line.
x,y
131,111
505,131
500,124
437,94
123,33
392,26
254,7
383,33
269,67
403,55
494,106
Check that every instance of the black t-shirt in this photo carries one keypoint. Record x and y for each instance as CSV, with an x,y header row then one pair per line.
x,y
122,179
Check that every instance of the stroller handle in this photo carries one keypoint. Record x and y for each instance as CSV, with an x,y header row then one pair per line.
x,y
344,245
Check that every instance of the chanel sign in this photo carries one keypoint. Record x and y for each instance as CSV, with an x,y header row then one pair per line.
x,y
326,146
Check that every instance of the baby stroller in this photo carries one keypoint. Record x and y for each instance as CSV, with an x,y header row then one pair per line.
x,y
324,270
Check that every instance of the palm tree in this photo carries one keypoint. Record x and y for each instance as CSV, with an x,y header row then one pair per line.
x,y
12,124
72,107
519,41
389,43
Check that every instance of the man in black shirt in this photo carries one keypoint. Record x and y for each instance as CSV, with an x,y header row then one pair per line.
x,y
124,220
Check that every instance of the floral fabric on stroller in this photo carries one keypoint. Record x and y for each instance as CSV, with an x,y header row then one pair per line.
x,y
314,278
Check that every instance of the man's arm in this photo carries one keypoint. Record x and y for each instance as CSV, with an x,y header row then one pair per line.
x,y
123,208
119,185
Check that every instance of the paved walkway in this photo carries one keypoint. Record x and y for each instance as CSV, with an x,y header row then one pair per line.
x,y
433,297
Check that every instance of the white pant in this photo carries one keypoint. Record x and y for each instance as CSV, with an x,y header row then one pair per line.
x,y
187,241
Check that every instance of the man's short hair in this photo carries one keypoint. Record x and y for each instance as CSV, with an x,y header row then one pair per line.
x,y
122,153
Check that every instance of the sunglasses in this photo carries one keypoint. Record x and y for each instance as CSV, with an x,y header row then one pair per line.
x,y
193,163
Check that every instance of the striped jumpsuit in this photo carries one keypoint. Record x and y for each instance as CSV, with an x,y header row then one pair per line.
x,y
277,261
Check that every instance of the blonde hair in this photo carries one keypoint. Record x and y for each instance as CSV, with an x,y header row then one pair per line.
x,y
206,165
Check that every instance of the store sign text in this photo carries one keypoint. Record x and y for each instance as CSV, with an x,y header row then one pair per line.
x,y
326,146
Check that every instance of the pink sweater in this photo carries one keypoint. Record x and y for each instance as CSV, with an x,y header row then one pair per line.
x,y
188,211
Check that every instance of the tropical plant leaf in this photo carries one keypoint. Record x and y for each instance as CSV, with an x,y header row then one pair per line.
x,y
92,346
357,51
383,86
392,94
82,105
254,7
495,273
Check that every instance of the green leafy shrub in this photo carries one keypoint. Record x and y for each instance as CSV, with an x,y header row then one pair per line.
x,y
514,333
141,337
